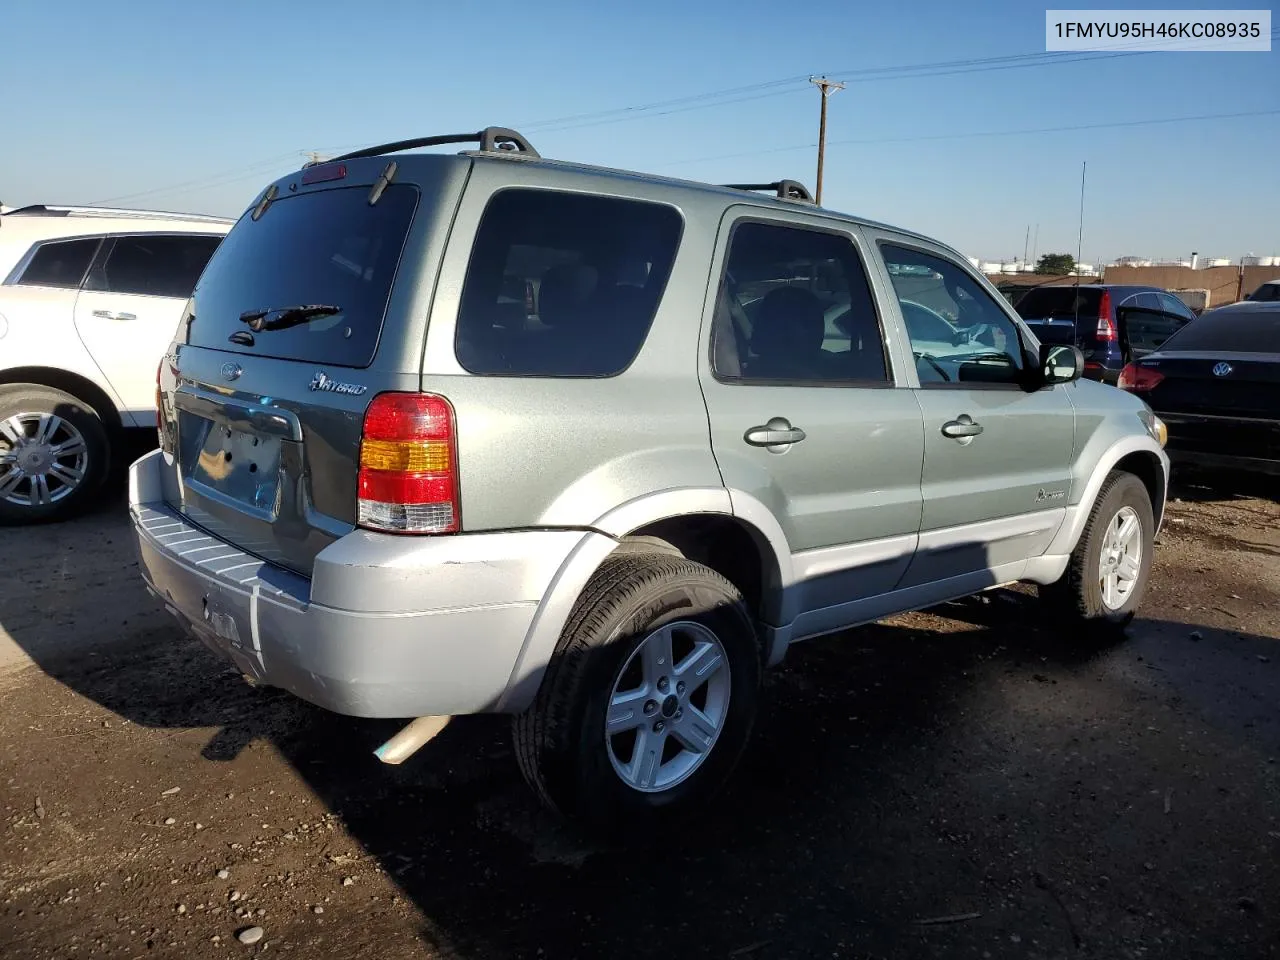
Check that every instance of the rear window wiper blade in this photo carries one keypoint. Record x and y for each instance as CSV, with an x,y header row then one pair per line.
x,y
281,318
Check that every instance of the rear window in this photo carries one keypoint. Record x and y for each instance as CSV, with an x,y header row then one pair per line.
x,y
1255,331
1048,302
563,285
327,248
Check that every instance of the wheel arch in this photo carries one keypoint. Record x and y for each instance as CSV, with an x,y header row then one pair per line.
x,y
80,387
1140,456
705,525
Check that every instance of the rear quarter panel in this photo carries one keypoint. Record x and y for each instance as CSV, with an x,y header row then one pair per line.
x,y
560,452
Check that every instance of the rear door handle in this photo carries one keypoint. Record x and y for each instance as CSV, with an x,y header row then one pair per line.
x,y
778,432
963,427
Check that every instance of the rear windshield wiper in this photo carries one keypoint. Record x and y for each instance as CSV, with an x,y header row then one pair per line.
x,y
282,318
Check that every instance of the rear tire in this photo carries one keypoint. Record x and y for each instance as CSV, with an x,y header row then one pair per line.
x,y
1107,575
700,685
54,454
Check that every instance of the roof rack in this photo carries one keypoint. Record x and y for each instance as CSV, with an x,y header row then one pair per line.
x,y
60,210
491,139
782,189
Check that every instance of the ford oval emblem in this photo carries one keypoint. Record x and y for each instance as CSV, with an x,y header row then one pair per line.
x,y
231,371
1222,369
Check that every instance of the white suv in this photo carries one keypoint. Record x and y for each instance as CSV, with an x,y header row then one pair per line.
x,y
89,299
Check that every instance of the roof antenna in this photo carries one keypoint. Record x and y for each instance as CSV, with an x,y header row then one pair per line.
x,y
1075,327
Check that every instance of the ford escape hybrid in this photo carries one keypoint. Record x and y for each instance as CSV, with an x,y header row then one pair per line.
x,y
482,432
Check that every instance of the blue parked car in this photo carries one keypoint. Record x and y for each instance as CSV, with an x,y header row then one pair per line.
x,y
1112,324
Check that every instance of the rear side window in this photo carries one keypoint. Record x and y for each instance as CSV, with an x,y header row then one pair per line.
x,y
1253,331
563,285
59,264
795,307
157,266
1171,304
329,248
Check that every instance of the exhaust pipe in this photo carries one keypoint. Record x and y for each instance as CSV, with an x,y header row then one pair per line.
x,y
415,735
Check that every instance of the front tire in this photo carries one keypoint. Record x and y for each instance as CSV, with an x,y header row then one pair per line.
x,y
54,454
649,700
1107,575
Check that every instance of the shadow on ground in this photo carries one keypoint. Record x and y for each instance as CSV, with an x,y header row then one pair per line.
x,y
1198,485
967,782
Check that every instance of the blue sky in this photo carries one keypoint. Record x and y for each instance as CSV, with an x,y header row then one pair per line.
x,y
195,106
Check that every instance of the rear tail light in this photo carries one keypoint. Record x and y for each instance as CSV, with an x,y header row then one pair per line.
x,y
1106,327
408,481
1138,379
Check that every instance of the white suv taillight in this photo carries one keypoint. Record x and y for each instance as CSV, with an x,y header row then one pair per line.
x,y
408,480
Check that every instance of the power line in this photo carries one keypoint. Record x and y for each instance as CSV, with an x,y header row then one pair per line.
x,y
774,88
971,134
710,100
206,180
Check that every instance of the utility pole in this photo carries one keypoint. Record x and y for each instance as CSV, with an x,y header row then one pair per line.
x,y
827,87
1025,242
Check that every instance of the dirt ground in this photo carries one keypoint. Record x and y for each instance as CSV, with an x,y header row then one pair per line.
x,y
967,782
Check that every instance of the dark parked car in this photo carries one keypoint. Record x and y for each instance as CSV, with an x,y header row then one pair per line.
x,y
1216,385
1268,292
1110,323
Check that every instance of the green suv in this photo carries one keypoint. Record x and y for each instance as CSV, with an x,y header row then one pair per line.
x,y
445,434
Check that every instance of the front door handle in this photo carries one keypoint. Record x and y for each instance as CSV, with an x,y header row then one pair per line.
x,y
778,432
964,427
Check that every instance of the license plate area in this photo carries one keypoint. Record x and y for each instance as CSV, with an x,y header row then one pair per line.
x,y
233,464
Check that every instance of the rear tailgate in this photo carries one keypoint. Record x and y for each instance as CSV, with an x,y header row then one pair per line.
x,y
265,416
1063,315
1056,331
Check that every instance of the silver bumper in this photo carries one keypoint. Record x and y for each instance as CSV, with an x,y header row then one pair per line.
x,y
387,626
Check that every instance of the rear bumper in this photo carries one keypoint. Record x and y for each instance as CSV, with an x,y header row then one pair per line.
x,y
1093,370
1224,443
387,626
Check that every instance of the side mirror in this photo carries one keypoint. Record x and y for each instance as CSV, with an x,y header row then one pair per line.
x,y
1060,364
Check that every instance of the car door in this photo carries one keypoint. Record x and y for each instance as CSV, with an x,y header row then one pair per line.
x,y
128,310
997,457
808,419
1147,327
